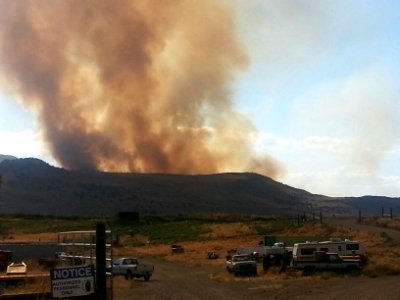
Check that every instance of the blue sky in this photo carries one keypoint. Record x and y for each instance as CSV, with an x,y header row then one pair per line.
x,y
321,87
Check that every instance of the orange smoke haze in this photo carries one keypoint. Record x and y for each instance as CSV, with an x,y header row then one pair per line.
x,y
139,86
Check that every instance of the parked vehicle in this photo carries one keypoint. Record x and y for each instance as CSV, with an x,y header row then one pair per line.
x,y
241,264
258,253
275,255
17,275
346,249
177,249
327,261
262,251
131,268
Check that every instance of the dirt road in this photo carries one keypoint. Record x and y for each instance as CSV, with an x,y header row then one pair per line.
x,y
177,281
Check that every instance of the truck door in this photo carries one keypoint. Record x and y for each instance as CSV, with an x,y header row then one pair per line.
x,y
334,262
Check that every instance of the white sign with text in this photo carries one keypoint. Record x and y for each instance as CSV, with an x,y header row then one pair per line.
x,y
72,281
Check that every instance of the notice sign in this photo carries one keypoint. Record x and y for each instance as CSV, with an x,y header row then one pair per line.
x,y
72,281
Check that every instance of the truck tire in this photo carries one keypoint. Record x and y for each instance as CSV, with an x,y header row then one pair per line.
x,y
146,277
128,275
352,270
309,270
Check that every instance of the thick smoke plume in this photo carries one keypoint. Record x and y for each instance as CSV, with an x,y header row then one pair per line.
x,y
137,86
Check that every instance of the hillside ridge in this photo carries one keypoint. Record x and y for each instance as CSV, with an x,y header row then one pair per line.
x,y
31,186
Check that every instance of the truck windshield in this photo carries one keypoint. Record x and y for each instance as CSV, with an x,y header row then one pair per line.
x,y
241,258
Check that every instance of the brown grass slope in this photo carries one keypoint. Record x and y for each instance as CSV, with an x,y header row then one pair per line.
x,y
31,186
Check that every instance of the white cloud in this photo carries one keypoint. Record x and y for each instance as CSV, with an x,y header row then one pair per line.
x,y
271,142
345,182
363,109
321,164
23,144
390,185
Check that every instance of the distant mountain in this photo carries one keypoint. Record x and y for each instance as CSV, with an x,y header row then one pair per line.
x,y
31,186
4,157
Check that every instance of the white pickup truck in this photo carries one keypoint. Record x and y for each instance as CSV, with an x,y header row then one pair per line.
x,y
241,263
131,268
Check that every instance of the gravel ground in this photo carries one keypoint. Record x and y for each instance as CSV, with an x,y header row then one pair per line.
x,y
177,281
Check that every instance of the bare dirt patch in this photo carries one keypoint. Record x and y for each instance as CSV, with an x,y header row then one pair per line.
x,y
177,280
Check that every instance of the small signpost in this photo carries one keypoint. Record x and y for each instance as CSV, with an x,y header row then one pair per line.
x,y
72,281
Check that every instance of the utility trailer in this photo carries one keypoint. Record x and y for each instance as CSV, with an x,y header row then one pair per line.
x,y
27,296
19,280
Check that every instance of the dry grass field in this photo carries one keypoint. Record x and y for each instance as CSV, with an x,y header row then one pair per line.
x,y
384,257
220,238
